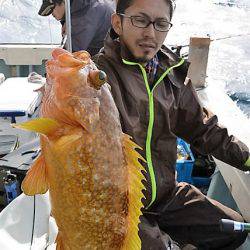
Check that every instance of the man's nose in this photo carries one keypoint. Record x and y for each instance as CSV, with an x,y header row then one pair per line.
x,y
149,31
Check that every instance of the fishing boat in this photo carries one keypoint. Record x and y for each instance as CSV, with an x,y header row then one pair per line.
x,y
25,222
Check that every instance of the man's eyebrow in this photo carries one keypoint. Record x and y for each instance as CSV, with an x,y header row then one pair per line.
x,y
158,18
144,14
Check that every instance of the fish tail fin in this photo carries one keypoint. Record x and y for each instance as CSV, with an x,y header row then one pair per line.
x,y
35,181
41,125
132,240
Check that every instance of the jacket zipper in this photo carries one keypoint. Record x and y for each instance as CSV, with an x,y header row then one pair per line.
x,y
151,121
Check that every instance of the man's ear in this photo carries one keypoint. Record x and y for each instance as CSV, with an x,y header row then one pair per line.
x,y
116,23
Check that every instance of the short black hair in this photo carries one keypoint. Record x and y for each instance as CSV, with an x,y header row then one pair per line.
x,y
122,5
58,1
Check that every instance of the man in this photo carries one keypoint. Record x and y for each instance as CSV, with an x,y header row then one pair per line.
x,y
90,21
157,103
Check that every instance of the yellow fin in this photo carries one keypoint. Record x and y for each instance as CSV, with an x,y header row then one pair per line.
x,y
132,240
41,125
35,181
65,142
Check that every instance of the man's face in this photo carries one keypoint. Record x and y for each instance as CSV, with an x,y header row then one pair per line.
x,y
143,43
59,11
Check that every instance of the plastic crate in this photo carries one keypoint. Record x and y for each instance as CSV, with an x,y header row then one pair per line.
x,y
184,167
201,181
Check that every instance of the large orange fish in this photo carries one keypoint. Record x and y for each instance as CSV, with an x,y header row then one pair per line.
x,y
89,166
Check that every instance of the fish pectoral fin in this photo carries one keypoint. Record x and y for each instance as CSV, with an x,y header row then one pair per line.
x,y
36,181
41,125
135,195
65,142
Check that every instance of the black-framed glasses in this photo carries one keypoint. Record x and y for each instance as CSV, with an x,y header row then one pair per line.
x,y
159,24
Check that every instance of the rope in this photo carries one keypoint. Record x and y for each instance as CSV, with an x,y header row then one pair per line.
x,y
179,47
228,37
33,222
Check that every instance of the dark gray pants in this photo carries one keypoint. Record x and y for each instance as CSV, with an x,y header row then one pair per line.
x,y
189,218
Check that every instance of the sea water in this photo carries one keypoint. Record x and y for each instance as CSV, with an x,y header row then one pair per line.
x,y
228,24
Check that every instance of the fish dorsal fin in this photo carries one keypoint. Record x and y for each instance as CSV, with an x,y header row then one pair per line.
x,y
132,240
41,125
35,181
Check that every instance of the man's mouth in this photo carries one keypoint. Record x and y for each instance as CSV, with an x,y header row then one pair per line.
x,y
147,45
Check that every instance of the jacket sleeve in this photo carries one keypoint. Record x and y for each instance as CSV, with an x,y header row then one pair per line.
x,y
200,128
84,29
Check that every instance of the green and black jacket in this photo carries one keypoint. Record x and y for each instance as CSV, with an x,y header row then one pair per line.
x,y
155,115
